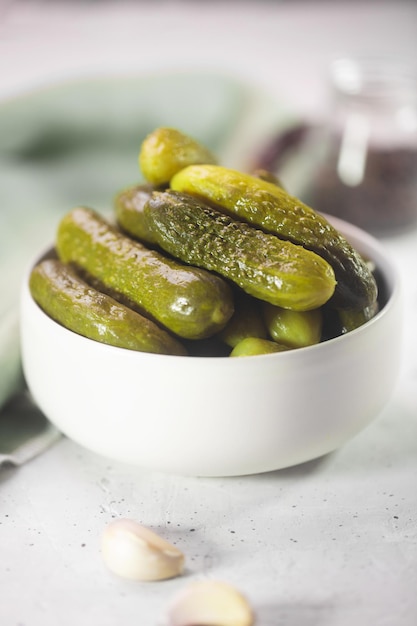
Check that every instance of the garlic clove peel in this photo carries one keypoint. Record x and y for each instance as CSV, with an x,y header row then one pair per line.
x,y
133,551
210,603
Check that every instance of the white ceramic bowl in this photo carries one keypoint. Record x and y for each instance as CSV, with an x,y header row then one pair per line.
x,y
216,416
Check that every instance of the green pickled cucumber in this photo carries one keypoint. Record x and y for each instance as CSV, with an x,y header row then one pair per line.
x,y
266,206
353,318
190,302
251,346
262,265
296,329
71,302
128,205
165,151
246,321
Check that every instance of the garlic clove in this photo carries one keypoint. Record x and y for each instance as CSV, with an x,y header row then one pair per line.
x,y
210,603
133,551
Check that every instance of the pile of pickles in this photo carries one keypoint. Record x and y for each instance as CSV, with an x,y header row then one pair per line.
x,y
203,260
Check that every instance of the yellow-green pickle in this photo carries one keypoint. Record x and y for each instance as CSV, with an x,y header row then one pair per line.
x,y
295,329
267,206
190,302
251,346
128,206
166,151
259,263
69,300
246,321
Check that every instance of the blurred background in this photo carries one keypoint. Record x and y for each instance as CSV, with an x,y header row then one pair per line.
x,y
282,46
231,70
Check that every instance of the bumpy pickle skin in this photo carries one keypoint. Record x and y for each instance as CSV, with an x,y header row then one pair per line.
x,y
267,206
71,302
296,329
188,301
166,151
262,265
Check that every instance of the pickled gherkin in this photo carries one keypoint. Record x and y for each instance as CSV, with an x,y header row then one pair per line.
x,y
71,302
351,318
295,329
128,205
262,265
166,150
251,346
246,321
267,206
188,301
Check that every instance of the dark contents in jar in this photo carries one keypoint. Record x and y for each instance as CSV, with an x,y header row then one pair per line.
x,y
385,201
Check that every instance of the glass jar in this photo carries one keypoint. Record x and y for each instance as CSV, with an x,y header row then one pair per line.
x,y
364,158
